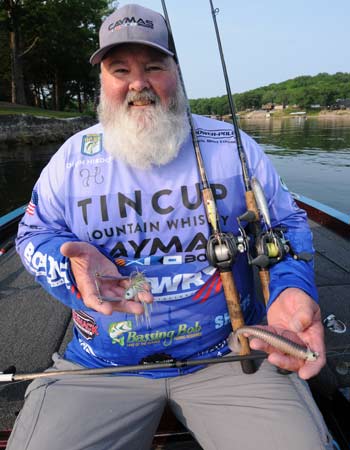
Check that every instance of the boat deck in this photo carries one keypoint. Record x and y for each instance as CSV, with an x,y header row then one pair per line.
x,y
33,326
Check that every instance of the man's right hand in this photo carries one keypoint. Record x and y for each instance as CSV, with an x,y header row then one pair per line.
x,y
86,261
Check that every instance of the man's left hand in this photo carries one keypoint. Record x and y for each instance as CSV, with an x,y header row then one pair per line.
x,y
296,316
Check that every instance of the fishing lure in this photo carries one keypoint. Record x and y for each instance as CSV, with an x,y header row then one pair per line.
x,y
279,342
261,201
138,283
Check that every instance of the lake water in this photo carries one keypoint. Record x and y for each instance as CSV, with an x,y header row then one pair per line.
x,y
312,156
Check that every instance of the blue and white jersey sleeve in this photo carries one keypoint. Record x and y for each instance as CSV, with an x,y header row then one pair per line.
x,y
43,229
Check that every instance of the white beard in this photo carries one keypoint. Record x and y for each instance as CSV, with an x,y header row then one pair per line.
x,y
151,136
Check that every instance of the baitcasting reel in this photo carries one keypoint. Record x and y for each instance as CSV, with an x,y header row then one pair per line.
x,y
222,249
271,246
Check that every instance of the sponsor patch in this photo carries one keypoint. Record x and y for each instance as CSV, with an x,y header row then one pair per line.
x,y
87,348
44,265
219,136
85,324
130,22
91,144
121,333
116,330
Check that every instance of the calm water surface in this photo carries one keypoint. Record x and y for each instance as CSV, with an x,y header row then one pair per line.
x,y
312,156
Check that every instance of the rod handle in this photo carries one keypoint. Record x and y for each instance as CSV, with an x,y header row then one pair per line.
x,y
264,275
210,208
236,317
251,204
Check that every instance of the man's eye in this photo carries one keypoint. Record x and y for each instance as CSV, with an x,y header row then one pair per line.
x,y
120,71
153,68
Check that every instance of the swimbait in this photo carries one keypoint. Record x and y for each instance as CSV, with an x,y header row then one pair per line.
x,y
261,201
279,342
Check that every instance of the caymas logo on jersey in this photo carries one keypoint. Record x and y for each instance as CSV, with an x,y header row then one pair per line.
x,y
122,333
91,144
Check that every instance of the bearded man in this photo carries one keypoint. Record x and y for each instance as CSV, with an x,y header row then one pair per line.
x,y
123,197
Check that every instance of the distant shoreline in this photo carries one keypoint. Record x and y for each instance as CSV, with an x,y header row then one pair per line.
x,y
334,114
26,129
264,115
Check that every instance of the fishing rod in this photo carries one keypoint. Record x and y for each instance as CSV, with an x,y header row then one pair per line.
x,y
222,248
9,375
252,214
270,244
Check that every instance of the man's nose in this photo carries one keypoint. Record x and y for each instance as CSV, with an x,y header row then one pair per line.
x,y
139,82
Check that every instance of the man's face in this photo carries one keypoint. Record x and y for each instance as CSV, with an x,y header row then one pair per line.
x,y
142,106
136,68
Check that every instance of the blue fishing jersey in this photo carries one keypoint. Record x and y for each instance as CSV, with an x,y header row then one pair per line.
x,y
153,221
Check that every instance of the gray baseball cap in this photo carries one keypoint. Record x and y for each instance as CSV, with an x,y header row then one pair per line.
x,y
133,24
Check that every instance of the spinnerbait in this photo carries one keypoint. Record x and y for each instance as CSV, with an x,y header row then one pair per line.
x,y
138,283
279,342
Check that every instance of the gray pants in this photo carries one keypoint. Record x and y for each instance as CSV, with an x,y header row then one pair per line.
x,y
222,407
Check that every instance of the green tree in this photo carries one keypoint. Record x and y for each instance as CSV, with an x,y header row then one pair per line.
x,y
56,38
304,91
11,14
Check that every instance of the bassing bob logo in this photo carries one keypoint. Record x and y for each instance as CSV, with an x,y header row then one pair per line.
x,y
122,333
130,22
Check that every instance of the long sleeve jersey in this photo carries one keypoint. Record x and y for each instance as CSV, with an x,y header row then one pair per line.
x,y
154,222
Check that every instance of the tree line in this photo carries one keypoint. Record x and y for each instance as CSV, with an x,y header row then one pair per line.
x,y
45,47
304,91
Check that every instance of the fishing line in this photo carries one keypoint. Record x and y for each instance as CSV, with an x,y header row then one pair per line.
x,y
207,193
271,246
252,214
241,152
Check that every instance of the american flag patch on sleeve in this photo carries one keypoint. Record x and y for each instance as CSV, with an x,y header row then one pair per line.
x,y
32,204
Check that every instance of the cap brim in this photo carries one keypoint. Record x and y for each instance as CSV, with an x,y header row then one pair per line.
x,y
101,52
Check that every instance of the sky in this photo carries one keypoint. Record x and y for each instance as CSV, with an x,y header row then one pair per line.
x,y
264,41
